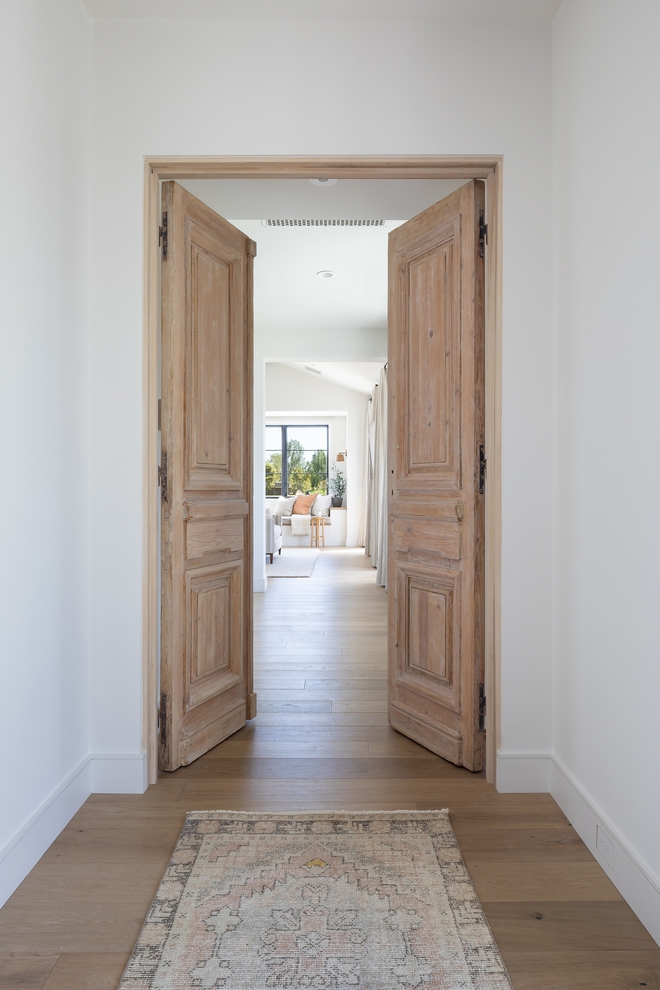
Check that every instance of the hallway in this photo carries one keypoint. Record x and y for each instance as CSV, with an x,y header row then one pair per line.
x,y
321,740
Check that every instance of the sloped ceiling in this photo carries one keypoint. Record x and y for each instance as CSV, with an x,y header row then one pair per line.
x,y
456,10
361,376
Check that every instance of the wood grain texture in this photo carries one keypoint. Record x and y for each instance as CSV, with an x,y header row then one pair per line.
x,y
206,572
344,167
25,972
151,458
558,921
158,168
493,526
436,429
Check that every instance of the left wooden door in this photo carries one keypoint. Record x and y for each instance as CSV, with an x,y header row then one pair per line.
x,y
206,489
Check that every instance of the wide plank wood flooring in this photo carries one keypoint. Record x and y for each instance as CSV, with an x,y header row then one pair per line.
x,y
321,740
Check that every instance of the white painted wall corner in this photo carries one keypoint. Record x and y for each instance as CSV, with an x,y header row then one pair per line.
x,y
522,773
633,878
259,585
27,846
119,773
530,773
97,773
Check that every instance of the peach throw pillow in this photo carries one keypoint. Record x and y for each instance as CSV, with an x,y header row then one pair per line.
x,y
303,505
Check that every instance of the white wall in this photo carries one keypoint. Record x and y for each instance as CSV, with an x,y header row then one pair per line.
x,y
70,522
289,390
45,87
607,549
321,87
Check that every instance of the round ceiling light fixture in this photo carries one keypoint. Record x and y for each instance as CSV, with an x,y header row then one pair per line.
x,y
326,273
323,182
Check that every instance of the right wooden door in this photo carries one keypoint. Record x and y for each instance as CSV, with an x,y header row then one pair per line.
x,y
437,475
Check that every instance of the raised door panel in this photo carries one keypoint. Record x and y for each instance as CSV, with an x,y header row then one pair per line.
x,y
429,643
206,536
214,527
214,647
214,426
435,557
426,535
429,361
429,636
206,641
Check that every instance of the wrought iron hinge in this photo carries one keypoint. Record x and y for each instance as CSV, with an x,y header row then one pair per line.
x,y
483,233
162,235
482,469
162,476
162,719
482,708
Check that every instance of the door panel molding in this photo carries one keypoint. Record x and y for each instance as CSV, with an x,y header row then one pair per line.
x,y
436,429
158,168
206,422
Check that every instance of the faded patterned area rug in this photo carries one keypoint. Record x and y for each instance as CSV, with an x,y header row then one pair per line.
x,y
316,901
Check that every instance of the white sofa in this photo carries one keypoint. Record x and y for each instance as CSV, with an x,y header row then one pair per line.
x,y
335,529
273,535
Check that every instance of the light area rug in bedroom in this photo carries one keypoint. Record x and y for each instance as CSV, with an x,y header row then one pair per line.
x,y
292,562
316,901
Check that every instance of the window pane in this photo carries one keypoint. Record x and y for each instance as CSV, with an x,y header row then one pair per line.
x,y
311,437
307,459
273,460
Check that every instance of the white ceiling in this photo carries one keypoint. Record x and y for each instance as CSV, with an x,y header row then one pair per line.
x,y
366,199
288,294
470,10
358,375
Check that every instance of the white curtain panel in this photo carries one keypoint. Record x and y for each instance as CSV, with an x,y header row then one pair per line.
x,y
368,472
364,508
375,543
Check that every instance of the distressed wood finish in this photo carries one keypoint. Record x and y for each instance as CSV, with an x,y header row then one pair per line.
x,y
339,167
158,168
206,638
557,919
436,426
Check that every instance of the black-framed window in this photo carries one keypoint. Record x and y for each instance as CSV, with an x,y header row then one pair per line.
x,y
296,459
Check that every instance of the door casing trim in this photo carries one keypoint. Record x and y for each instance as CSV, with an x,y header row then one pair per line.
x,y
158,168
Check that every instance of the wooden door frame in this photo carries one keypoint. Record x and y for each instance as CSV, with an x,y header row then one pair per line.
x,y
158,168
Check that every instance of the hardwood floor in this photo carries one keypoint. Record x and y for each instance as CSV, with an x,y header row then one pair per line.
x,y
322,740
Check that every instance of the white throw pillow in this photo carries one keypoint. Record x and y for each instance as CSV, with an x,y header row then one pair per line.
x,y
283,506
322,505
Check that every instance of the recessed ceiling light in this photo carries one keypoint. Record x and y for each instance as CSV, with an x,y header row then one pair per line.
x,y
326,274
323,182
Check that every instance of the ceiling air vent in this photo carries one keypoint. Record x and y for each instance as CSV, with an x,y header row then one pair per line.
x,y
323,223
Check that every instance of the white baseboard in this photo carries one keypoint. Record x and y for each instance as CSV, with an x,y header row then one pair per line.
x,y
126,773
119,773
98,773
523,773
544,772
27,846
259,585
630,875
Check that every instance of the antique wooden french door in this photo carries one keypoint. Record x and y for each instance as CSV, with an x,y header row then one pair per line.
x,y
437,474
206,532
